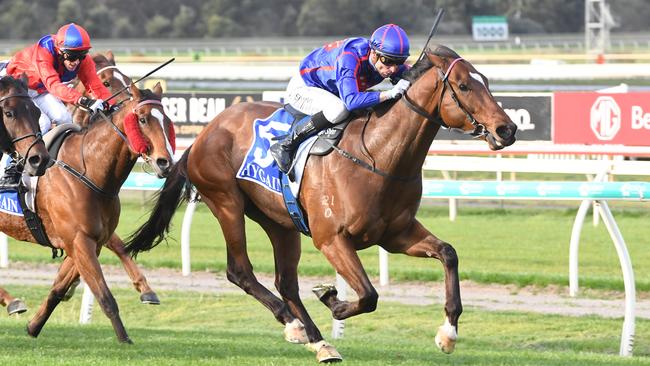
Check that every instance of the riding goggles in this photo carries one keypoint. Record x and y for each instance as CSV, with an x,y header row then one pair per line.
x,y
74,55
391,60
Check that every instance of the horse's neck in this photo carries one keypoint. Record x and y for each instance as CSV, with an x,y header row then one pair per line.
x,y
106,155
401,137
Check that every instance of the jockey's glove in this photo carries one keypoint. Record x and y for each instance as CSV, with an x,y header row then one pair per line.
x,y
398,89
92,105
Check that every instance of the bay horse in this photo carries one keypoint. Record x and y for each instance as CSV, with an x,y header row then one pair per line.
x,y
114,80
350,205
78,198
20,137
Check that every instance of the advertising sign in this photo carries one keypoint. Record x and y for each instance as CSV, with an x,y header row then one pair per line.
x,y
602,119
191,112
489,28
530,112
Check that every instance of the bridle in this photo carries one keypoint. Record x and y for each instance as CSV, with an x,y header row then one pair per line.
x,y
479,128
82,176
10,144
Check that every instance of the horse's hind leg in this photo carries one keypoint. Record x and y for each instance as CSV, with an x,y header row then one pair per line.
x,y
286,250
148,296
230,213
65,277
419,242
14,306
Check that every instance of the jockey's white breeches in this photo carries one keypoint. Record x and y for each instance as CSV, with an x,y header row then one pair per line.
x,y
311,100
52,109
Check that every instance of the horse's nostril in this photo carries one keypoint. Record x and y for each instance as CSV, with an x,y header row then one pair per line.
x,y
34,161
163,164
504,132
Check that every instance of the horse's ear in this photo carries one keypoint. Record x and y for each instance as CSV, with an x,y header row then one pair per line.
x,y
110,57
157,89
24,79
135,92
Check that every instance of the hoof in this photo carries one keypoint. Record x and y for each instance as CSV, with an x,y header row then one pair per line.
x,y
16,307
446,338
324,290
68,295
294,332
325,352
150,298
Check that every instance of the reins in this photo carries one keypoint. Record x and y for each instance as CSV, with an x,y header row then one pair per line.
x,y
479,129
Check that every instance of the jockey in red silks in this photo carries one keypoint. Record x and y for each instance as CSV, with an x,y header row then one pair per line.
x,y
333,79
50,64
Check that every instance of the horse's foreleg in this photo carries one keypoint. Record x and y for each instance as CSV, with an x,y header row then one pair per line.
x,y
343,257
148,296
14,306
419,242
86,262
66,275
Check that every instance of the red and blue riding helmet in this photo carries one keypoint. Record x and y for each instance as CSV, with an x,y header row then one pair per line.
x,y
72,37
391,42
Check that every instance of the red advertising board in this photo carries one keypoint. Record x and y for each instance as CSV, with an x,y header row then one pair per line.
x,y
602,119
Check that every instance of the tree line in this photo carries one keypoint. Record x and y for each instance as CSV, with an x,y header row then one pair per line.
x,y
28,19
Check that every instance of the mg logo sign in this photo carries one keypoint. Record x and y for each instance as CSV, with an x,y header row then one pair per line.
x,y
605,118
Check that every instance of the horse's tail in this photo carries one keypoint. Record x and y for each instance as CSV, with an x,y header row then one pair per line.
x,y
177,188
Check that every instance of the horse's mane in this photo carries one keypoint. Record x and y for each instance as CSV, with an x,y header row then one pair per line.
x,y
424,64
146,94
8,81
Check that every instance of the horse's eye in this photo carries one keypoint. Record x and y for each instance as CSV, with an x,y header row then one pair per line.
x,y
142,120
463,87
107,84
9,114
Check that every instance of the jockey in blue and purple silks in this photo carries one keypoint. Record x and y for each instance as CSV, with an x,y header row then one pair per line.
x,y
333,80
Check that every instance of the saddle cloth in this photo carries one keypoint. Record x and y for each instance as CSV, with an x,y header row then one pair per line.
x,y
9,201
259,166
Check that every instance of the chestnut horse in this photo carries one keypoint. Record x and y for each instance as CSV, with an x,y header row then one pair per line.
x,y
115,81
78,198
20,137
350,204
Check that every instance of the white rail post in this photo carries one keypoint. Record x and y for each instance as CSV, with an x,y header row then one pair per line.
x,y
185,234
4,251
574,245
87,301
338,326
383,267
627,334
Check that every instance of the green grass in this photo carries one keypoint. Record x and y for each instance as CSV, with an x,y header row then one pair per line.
x,y
202,329
520,246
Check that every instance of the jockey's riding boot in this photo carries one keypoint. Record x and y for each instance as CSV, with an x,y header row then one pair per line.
x,y
9,182
284,150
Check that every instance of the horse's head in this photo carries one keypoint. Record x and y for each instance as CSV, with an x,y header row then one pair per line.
x,y
19,130
108,73
149,131
465,101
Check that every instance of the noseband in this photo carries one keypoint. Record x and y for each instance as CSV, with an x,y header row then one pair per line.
x,y
37,136
479,129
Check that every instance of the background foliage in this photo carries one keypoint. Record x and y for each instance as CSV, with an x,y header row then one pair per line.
x,y
27,19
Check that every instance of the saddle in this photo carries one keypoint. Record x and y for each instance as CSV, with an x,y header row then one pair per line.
x,y
328,138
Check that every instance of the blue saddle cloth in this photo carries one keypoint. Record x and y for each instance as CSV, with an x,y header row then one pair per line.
x,y
10,204
259,166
